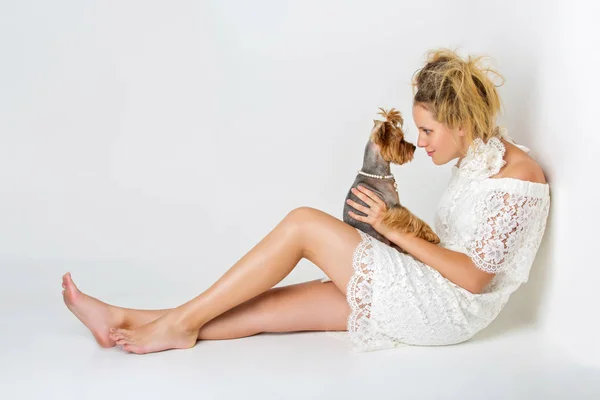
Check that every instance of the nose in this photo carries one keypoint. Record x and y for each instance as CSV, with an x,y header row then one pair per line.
x,y
421,142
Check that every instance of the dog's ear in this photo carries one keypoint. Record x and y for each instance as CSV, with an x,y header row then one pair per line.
x,y
376,122
380,132
378,128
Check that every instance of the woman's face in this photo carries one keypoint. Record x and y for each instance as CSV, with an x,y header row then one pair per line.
x,y
442,144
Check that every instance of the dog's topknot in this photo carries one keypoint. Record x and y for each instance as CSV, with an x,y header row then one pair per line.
x,y
393,117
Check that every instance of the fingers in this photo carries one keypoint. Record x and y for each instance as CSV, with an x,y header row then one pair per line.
x,y
358,193
358,207
367,196
358,217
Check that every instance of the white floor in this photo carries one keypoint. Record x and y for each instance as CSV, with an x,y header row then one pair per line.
x,y
45,353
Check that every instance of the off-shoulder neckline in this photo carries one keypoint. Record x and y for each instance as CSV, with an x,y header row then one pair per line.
x,y
514,185
454,167
485,159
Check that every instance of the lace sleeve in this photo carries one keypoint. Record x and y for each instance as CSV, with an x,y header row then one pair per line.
x,y
503,222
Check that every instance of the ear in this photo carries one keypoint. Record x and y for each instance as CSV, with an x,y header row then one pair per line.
x,y
378,125
461,132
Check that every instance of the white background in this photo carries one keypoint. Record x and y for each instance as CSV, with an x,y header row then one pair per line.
x,y
145,146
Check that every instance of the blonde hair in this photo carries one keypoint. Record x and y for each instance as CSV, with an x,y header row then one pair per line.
x,y
458,93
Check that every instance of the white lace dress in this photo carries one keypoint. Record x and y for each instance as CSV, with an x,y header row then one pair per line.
x,y
396,300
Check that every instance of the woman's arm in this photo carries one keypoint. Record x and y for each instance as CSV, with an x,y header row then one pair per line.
x,y
455,266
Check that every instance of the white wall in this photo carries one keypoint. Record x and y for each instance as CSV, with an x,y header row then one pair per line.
x,y
568,121
548,51
171,137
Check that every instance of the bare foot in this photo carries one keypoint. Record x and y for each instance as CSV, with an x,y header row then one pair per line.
x,y
99,317
167,332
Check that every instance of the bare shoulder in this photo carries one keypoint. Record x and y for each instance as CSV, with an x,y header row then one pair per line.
x,y
520,166
525,170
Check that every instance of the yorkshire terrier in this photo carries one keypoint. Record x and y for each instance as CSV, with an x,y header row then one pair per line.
x,y
386,144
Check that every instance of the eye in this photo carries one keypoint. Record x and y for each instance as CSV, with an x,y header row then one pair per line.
x,y
426,131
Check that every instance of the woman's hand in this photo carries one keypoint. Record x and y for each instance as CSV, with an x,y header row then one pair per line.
x,y
375,211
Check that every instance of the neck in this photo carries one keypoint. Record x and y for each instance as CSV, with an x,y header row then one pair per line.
x,y
459,159
463,153
373,163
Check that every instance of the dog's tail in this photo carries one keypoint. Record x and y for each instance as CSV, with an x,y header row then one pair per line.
x,y
401,219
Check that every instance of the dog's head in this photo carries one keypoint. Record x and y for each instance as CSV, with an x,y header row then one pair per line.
x,y
389,136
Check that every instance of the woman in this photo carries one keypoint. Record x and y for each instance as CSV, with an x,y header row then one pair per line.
x,y
490,221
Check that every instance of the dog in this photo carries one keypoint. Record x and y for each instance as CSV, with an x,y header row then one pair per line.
x,y
386,145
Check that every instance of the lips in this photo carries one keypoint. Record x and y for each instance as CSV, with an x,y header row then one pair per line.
x,y
429,153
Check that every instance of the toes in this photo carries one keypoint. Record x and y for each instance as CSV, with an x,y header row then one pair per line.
x,y
120,337
71,290
116,335
132,348
71,280
124,332
67,280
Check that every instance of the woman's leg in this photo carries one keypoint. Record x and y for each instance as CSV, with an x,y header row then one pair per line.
x,y
304,233
307,306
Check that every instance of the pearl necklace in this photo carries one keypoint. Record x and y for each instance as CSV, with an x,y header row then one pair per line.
x,y
380,177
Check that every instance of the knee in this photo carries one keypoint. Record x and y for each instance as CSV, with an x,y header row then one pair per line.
x,y
301,216
300,220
